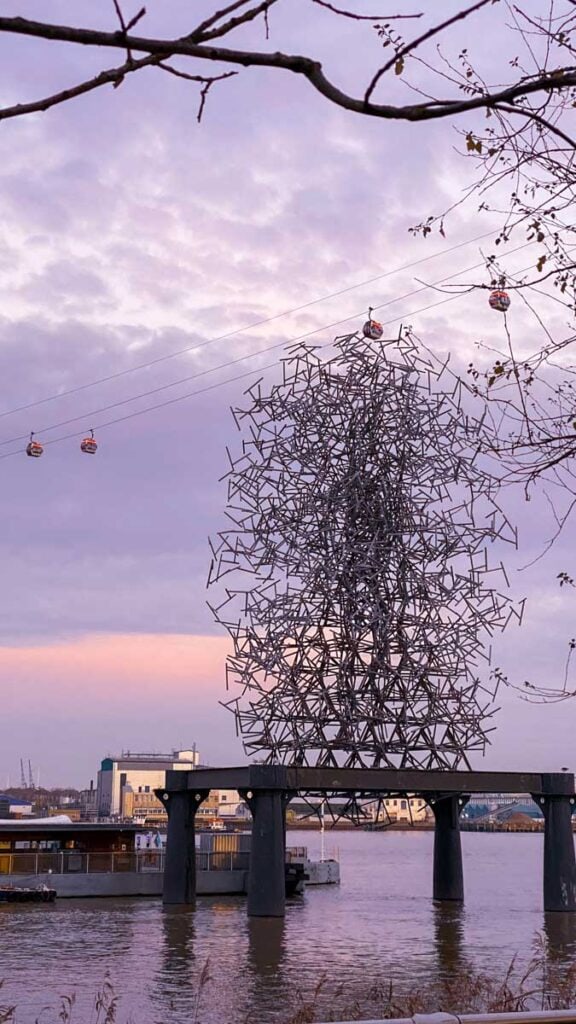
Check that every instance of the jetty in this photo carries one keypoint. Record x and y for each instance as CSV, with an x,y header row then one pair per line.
x,y
268,789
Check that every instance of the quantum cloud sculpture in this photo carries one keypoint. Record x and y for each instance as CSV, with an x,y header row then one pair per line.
x,y
353,571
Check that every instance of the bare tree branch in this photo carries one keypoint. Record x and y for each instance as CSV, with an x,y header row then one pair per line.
x,y
207,83
405,50
123,27
217,16
205,34
364,17
114,76
547,125
297,64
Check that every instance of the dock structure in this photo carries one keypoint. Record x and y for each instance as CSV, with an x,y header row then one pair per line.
x,y
268,789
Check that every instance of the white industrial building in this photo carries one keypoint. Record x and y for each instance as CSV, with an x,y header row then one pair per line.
x,y
405,808
137,773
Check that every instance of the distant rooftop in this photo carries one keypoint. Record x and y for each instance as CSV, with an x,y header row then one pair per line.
x,y
55,827
174,755
151,757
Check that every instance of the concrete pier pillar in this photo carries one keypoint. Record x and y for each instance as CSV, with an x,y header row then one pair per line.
x,y
448,872
266,879
180,857
559,859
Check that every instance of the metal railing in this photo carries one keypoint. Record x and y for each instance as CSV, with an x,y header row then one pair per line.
x,y
64,862
296,854
524,1017
228,860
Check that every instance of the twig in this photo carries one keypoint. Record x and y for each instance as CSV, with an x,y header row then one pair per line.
x,y
405,50
223,30
364,17
114,76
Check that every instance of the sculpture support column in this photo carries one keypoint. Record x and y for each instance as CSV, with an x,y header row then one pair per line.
x,y
180,857
266,879
448,873
559,859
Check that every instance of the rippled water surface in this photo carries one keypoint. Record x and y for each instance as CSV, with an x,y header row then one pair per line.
x,y
379,923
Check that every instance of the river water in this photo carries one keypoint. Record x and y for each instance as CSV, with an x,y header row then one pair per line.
x,y
380,924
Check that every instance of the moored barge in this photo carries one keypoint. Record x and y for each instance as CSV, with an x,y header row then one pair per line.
x,y
79,859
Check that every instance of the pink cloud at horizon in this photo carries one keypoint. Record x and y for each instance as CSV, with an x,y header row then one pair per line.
x,y
135,660
148,692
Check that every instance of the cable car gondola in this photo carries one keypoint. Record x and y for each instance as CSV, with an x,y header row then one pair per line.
x,y
499,300
34,448
89,445
372,329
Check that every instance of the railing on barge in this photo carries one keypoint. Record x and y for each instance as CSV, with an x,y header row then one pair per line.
x,y
63,862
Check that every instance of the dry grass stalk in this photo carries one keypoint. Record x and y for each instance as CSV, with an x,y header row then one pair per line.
x,y
539,985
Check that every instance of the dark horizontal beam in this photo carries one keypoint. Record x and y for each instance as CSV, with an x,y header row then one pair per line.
x,y
418,781
209,778
18,827
371,780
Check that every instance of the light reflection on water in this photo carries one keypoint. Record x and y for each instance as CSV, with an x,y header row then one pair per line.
x,y
380,924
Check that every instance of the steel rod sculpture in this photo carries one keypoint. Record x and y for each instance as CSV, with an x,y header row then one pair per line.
x,y
354,564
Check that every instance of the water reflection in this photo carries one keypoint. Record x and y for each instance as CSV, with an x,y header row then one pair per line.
x,y
266,962
176,984
560,937
178,935
380,923
266,945
449,918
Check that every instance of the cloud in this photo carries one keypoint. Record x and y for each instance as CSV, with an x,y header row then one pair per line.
x,y
128,232
100,694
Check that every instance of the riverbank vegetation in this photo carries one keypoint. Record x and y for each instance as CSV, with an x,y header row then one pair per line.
x,y
546,982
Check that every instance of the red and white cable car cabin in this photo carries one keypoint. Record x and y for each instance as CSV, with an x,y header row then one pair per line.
x,y
34,448
89,445
373,329
499,300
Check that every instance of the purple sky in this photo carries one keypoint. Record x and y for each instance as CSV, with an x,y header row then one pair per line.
x,y
128,232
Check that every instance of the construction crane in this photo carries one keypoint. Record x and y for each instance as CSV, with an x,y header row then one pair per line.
x,y
26,783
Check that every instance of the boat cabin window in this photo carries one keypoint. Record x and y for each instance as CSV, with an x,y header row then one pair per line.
x,y
34,844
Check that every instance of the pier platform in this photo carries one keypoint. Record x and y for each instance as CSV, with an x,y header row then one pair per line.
x,y
268,790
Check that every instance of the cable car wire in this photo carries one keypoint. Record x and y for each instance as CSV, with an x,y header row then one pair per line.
x,y
251,355
212,387
241,330
152,408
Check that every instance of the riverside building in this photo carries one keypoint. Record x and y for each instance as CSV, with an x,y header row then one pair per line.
x,y
129,781
406,808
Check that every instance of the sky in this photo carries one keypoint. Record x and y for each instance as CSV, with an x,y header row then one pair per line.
x,y
129,232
